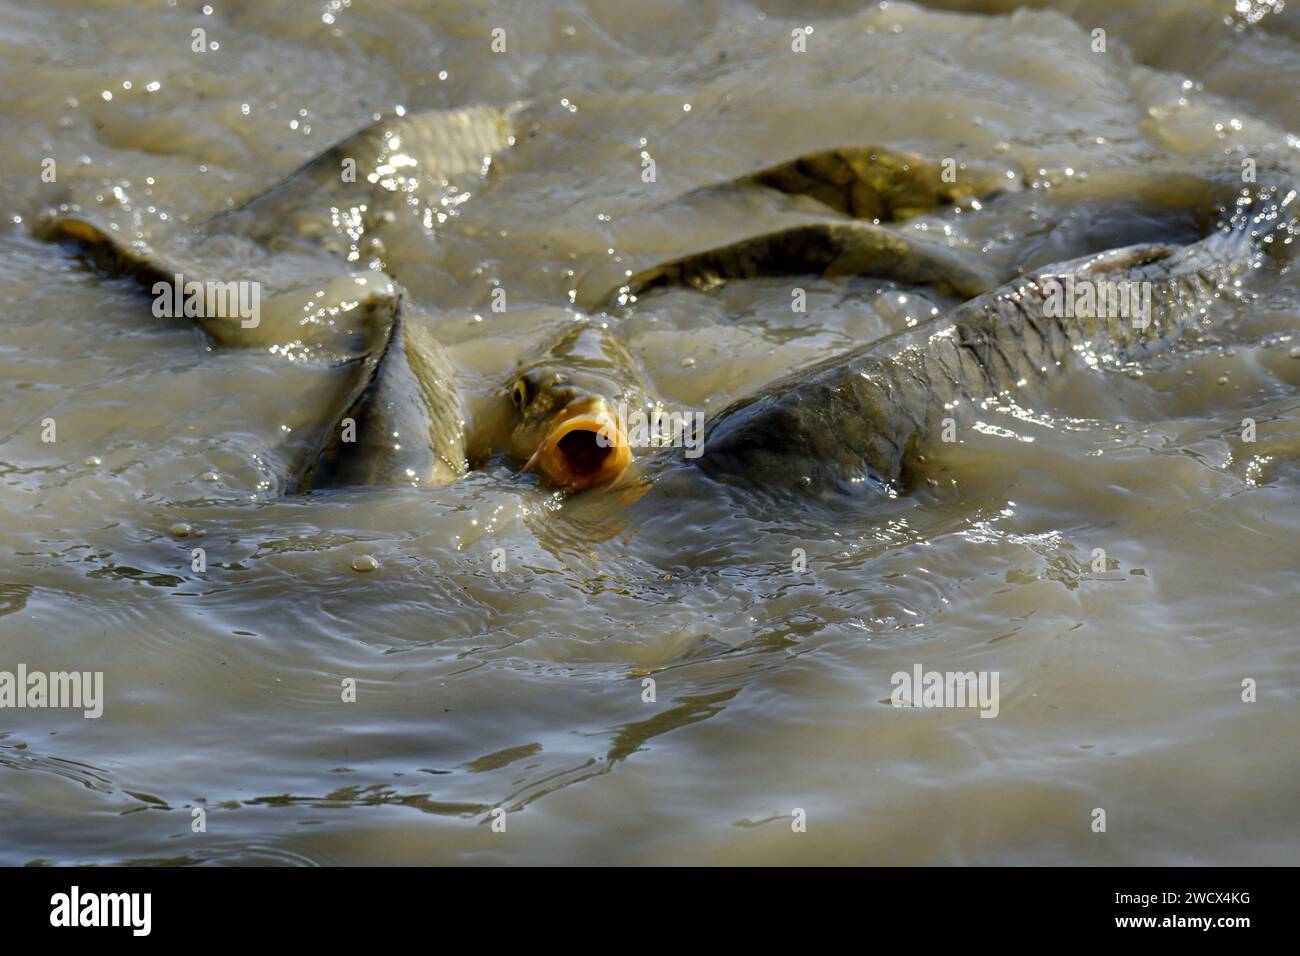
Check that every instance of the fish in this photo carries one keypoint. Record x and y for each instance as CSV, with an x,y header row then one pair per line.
x,y
860,419
831,249
870,187
866,418
883,184
399,418
566,409
342,199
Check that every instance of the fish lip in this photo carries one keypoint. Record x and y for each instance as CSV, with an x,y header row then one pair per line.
x,y
602,457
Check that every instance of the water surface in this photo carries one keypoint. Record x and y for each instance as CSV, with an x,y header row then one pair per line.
x,y
523,689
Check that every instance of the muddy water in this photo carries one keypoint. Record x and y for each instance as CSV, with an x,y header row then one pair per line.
x,y
479,688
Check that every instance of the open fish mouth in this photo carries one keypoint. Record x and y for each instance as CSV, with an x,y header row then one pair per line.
x,y
586,447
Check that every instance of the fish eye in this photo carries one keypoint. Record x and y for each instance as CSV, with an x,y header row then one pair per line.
x,y
519,394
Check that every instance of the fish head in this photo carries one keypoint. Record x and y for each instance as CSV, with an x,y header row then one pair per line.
x,y
568,410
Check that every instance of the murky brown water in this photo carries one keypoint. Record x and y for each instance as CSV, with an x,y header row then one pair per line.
x,y
522,689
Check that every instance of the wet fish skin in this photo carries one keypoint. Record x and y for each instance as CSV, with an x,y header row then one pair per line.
x,y
316,207
881,184
841,248
865,418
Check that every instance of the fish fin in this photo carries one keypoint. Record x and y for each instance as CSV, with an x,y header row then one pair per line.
x,y
405,412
